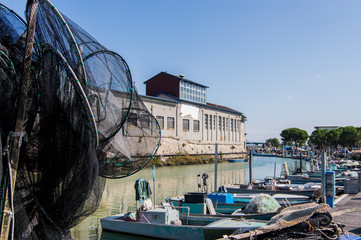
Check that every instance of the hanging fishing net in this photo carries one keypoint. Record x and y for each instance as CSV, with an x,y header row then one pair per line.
x,y
84,121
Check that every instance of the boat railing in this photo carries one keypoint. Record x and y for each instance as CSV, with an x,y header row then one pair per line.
x,y
179,207
286,202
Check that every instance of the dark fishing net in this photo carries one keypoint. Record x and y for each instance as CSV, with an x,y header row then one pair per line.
x,y
84,120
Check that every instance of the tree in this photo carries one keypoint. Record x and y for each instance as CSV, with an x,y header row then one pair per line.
x,y
319,137
349,137
295,135
274,142
333,137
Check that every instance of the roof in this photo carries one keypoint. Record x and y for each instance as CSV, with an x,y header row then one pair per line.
x,y
221,107
210,105
326,127
179,78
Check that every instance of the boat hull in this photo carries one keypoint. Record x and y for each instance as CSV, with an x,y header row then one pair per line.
x,y
165,231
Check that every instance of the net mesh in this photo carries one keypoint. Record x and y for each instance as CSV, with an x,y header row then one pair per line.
x,y
84,121
293,215
262,203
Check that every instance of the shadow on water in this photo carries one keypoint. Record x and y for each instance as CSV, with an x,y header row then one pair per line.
x,y
119,194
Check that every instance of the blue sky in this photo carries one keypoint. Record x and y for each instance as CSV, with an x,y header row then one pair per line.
x,y
282,63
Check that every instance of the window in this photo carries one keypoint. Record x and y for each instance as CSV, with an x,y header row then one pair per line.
x,y
160,121
186,124
132,118
227,123
192,92
224,125
206,121
231,125
144,121
170,122
210,122
214,122
195,126
220,123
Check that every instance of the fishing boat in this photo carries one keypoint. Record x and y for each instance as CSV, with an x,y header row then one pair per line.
x,y
227,203
281,188
237,160
164,223
204,219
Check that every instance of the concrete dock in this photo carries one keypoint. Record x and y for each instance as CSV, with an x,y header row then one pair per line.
x,y
351,220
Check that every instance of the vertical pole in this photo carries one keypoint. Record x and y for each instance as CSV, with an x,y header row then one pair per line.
x,y
8,214
250,167
153,186
300,163
274,175
215,167
323,175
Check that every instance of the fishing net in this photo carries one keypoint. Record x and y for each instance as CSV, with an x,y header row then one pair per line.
x,y
84,121
293,215
305,221
262,203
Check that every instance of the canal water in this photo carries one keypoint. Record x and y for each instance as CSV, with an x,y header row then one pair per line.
x,y
119,194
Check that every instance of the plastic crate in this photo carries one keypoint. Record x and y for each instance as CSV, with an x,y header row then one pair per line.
x,y
351,186
195,197
221,197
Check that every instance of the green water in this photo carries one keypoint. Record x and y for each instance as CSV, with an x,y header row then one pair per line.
x,y
119,194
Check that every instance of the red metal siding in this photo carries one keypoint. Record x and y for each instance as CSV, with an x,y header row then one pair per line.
x,y
163,83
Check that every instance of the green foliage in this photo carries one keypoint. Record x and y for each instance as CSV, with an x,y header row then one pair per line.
x,y
333,137
274,142
350,136
185,159
319,137
296,135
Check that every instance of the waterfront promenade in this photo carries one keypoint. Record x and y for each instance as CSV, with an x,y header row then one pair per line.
x,y
351,220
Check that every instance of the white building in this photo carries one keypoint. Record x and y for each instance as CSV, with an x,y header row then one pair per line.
x,y
188,123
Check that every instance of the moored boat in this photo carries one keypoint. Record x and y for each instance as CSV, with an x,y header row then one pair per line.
x,y
237,160
163,223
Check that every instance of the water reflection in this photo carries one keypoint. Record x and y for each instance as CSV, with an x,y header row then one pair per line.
x,y
119,194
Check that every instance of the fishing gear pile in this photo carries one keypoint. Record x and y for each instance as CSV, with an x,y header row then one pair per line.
x,y
84,122
304,221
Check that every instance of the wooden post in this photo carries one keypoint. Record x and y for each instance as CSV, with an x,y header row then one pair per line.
x,y
8,214
250,167
215,167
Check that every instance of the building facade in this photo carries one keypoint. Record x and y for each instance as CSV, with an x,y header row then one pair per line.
x,y
189,124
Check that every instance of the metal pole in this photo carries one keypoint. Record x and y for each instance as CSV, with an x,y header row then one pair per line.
x,y
250,167
8,214
153,186
323,177
215,167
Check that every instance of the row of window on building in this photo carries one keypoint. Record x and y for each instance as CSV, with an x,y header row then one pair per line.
x,y
170,123
209,123
192,92
223,122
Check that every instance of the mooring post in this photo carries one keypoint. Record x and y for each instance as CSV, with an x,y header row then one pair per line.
x,y
323,176
250,167
215,167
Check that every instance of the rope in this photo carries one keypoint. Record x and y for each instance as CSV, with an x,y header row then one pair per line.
x,y
326,235
310,227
